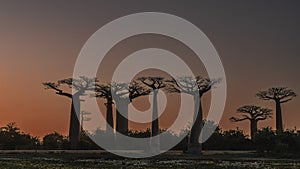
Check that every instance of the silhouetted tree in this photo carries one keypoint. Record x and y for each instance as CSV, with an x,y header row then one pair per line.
x,y
125,93
12,138
279,95
104,91
196,87
54,141
80,85
253,114
154,83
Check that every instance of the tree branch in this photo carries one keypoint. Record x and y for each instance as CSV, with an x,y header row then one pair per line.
x,y
234,119
54,86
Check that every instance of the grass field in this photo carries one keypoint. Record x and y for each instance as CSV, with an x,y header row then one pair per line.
x,y
93,160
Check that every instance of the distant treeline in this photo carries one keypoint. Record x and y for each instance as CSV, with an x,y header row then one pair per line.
x,y
265,140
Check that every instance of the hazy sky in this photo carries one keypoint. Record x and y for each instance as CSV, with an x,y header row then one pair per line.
x,y
258,43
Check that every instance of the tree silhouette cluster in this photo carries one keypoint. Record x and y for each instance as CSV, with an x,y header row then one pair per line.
x,y
11,138
254,113
122,94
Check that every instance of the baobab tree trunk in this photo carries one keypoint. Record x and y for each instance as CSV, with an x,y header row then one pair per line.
x,y
194,146
122,119
253,129
279,127
109,117
74,130
154,141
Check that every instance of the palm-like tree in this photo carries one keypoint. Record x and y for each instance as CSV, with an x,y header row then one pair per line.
x,y
254,114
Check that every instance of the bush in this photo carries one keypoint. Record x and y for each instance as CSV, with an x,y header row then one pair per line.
x,y
265,140
55,141
11,138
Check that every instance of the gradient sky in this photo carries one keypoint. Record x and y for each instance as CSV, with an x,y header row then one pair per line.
x,y
258,43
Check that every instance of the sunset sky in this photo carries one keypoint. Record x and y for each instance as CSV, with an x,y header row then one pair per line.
x,y
257,41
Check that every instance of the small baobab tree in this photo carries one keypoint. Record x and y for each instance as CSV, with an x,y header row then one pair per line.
x,y
80,85
154,84
253,114
196,87
279,95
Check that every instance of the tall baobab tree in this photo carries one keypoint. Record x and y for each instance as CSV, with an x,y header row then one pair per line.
x,y
253,114
124,94
196,87
155,84
80,85
104,91
279,95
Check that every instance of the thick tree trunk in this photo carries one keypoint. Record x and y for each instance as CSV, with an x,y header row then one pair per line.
x,y
109,117
194,146
154,141
279,127
74,130
253,129
122,119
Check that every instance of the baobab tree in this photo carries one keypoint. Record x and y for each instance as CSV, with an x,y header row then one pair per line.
x,y
196,87
254,114
125,93
279,95
80,85
104,91
154,84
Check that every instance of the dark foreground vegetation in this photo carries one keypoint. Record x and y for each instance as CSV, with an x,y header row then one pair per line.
x,y
266,142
